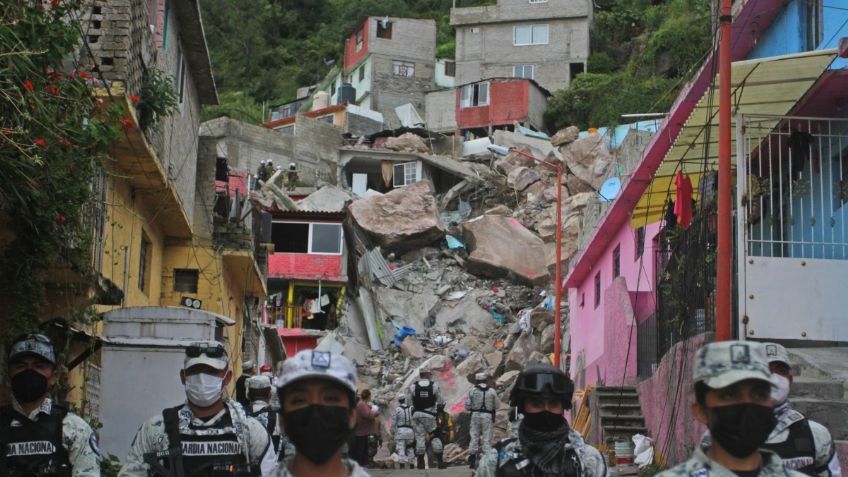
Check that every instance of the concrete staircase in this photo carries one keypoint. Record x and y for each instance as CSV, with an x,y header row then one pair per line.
x,y
620,413
820,390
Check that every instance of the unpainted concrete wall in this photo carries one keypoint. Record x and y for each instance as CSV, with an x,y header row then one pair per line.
x,y
441,110
412,39
489,52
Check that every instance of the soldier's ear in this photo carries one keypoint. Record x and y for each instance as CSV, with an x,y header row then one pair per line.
x,y
701,413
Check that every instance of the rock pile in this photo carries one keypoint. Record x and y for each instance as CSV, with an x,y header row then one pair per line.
x,y
465,290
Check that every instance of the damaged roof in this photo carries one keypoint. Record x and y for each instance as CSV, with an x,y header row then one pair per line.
x,y
445,163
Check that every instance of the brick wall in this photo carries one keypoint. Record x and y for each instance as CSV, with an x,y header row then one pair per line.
x,y
412,39
389,91
118,40
305,266
508,102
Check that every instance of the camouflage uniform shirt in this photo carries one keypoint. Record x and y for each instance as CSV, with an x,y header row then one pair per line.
x,y
700,465
282,469
592,463
826,462
151,437
77,438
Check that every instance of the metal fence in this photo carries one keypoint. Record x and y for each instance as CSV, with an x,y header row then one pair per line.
x,y
794,186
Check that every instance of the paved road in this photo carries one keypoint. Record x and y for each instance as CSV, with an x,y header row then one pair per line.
x,y
459,471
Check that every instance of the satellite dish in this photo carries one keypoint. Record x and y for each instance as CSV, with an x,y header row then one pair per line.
x,y
610,189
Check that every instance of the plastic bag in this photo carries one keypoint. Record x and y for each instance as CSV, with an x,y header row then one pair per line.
x,y
643,449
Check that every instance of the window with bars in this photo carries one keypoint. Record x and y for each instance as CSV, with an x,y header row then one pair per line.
x,y
450,68
640,242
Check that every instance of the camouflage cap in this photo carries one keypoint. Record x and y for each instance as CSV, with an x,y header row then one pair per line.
x,y
321,365
723,363
33,344
259,382
776,353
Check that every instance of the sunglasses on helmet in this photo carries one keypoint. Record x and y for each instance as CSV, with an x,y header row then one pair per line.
x,y
211,351
542,382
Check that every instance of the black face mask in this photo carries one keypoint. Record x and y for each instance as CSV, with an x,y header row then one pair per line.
x,y
543,421
318,431
741,429
29,385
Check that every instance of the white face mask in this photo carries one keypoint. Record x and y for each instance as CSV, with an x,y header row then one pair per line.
x,y
203,389
779,388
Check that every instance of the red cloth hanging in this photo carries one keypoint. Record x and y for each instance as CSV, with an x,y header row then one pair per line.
x,y
683,200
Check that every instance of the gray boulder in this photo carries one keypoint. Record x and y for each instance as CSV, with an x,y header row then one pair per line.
x,y
502,247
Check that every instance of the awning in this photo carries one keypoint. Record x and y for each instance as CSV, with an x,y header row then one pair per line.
x,y
771,86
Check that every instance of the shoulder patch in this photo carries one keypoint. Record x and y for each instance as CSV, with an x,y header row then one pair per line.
x,y
794,416
701,472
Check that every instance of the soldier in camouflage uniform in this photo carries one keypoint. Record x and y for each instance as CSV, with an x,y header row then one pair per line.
x,y
425,395
804,445
259,393
482,402
403,433
733,399
38,437
208,434
546,445
318,393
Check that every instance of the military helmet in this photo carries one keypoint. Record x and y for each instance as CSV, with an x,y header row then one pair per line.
x,y
542,380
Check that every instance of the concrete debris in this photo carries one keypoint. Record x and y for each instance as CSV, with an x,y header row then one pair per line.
x,y
514,160
565,136
502,247
401,220
407,142
521,178
499,210
412,348
588,158
464,269
325,199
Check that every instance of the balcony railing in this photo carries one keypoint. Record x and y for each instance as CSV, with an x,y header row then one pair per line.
x,y
794,186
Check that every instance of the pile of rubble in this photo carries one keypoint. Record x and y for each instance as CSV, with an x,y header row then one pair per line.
x,y
461,282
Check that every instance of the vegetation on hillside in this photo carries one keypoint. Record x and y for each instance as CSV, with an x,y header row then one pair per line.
x,y
263,52
642,53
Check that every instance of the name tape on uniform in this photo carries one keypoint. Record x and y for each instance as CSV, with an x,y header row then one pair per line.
x,y
30,448
211,448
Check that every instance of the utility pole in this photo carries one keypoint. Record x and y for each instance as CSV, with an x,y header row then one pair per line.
x,y
724,250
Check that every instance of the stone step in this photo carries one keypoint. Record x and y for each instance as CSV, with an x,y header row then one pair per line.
x,y
621,430
616,391
607,401
833,414
804,387
612,421
620,411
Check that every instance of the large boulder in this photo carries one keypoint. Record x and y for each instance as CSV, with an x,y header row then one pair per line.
x,y
502,247
565,136
588,158
522,177
325,199
404,219
466,316
522,349
407,142
405,308
573,208
514,160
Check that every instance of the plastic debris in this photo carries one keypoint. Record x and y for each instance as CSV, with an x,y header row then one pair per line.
x,y
403,333
453,242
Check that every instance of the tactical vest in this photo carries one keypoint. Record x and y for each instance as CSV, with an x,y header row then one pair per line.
x,y
197,454
271,426
33,449
424,397
407,417
521,466
798,451
482,407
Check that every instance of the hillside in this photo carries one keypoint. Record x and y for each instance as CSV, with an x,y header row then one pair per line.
x,y
642,50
